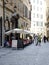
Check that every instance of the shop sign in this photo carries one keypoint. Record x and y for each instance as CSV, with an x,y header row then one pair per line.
x,y
14,43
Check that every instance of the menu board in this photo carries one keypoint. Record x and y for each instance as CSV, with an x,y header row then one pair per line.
x,y
14,43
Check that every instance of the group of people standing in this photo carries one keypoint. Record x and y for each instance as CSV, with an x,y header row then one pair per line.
x,y
38,39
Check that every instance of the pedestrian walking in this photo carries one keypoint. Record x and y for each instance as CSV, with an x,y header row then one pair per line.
x,y
44,39
36,40
39,40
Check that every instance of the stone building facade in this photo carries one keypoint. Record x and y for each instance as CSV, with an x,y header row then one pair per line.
x,y
21,8
47,25
47,16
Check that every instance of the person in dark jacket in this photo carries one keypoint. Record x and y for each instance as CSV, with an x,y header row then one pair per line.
x,y
44,39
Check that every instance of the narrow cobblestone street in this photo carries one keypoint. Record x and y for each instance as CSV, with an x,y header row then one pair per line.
x,y
31,55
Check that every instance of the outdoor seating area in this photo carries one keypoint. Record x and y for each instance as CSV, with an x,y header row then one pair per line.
x,y
20,43
12,39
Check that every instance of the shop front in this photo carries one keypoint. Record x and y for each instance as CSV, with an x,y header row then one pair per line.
x,y
15,39
9,25
12,38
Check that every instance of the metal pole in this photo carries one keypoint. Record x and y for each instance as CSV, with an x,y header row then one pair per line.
x,y
4,12
3,24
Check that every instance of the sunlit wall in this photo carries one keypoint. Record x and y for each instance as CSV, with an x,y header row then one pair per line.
x,y
38,17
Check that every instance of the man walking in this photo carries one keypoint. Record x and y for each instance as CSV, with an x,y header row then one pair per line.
x,y
44,39
36,40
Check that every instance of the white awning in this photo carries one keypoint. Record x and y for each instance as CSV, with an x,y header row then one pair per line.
x,y
21,31
16,30
27,32
8,32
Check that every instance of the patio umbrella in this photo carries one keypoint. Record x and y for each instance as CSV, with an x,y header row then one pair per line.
x,y
8,32
17,30
27,32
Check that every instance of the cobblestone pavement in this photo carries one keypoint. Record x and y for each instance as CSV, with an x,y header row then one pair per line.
x,y
30,55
